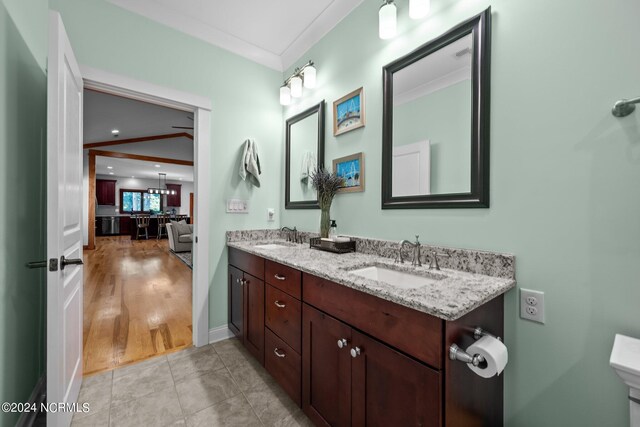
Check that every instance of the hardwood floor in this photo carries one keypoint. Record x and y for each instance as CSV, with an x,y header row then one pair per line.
x,y
137,302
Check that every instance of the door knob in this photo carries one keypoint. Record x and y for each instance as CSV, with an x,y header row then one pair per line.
x,y
355,352
71,261
342,343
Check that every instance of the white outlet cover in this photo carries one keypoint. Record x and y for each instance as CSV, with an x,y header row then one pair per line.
x,y
532,305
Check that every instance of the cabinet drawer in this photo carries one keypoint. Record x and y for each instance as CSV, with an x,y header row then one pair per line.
x,y
285,278
247,262
408,330
283,316
283,364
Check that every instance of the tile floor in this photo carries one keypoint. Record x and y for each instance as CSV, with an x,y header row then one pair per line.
x,y
216,385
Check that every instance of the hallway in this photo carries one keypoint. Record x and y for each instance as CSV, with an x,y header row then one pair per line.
x,y
137,303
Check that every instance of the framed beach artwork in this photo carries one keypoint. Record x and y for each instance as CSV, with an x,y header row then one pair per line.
x,y
348,112
351,170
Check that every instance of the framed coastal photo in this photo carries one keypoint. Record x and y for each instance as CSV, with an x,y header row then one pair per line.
x,y
348,112
351,170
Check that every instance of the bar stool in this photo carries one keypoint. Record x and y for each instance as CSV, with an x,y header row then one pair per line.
x,y
162,225
182,217
142,223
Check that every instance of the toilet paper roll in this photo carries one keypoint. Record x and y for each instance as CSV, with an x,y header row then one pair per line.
x,y
495,355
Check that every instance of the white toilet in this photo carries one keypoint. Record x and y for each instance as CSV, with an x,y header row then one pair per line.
x,y
625,360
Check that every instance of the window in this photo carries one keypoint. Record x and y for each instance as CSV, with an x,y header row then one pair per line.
x,y
134,201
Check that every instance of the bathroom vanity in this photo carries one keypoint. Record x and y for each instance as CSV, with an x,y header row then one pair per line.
x,y
355,351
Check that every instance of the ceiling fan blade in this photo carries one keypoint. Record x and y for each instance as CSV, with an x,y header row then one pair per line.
x,y
182,127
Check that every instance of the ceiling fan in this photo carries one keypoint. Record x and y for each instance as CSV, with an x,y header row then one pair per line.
x,y
184,127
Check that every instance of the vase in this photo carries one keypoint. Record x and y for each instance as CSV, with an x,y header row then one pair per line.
x,y
324,220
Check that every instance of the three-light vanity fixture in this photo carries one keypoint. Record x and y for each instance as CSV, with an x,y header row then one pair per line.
x,y
161,189
388,16
292,87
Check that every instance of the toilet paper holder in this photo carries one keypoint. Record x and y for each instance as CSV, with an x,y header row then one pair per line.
x,y
456,353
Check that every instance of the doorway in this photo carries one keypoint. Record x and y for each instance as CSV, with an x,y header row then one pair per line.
x,y
170,293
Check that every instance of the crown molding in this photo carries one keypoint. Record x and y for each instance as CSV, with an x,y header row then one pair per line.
x,y
318,28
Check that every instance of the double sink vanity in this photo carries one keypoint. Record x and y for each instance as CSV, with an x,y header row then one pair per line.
x,y
364,339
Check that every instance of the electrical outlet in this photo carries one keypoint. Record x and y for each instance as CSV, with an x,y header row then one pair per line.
x,y
532,305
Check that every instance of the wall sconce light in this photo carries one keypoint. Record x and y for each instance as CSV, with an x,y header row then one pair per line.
x,y
292,87
387,20
418,9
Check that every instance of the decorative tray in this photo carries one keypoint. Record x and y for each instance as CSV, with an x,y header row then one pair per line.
x,y
335,247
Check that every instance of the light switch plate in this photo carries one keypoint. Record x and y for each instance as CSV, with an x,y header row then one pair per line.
x,y
532,305
237,206
271,214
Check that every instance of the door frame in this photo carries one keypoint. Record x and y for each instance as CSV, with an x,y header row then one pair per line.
x,y
200,106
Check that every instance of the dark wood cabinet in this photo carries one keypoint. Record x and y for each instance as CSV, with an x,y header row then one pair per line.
x,y
326,369
125,225
236,301
352,359
174,200
389,388
246,301
106,192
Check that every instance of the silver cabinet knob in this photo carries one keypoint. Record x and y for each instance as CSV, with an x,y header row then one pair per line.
x,y
342,343
277,352
355,352
279,304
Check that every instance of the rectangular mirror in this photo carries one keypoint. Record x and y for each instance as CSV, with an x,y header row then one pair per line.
x,y
304,155
436,122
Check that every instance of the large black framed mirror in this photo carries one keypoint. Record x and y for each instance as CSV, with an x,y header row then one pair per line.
x,y
304,137
435,137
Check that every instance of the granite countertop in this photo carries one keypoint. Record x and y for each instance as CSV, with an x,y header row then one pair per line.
x,y
452,295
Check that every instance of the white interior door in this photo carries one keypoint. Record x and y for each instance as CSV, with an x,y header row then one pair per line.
x,y
64,223
411,167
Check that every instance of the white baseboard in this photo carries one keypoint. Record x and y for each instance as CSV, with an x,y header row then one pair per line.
x,y
220,333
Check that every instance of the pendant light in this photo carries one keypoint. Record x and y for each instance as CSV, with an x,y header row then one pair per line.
x,y
418,9
161,189
387,20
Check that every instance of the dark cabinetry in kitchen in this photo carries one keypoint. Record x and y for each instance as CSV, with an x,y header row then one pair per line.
x,y
106,191
174,200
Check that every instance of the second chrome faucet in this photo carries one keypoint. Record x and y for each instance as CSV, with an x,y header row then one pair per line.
x,y
415,257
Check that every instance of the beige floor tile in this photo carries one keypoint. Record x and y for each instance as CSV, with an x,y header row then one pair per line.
x,y
96,391
248,374
198,361
232,352
232,412
140,382
271,403
199,392
158,409
126,370
91,419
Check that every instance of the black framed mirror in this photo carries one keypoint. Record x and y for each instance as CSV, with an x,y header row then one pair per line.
x,y
435,137
304,136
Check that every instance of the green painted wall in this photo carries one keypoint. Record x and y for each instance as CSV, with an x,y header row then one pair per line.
x,y
245,104
565,185
440,117
23,120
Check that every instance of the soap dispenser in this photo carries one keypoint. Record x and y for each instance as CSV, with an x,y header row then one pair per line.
x,y
333,230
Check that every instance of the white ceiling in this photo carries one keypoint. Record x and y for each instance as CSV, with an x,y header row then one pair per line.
x,y
127,168
443,68
104,112
273,33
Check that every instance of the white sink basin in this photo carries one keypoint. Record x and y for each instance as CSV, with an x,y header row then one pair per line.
x,y
625,360
395,278
271,246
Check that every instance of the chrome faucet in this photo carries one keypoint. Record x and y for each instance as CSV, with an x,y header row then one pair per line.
x,y
292,235
415,259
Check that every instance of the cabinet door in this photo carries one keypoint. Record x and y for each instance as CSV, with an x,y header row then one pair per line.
x,y
106,192
326,369
125,225
236,302
389,388
254,316
175,199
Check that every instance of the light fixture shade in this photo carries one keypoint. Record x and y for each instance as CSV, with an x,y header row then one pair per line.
x,y
285,95
387,20
418,9
296,87
310,77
